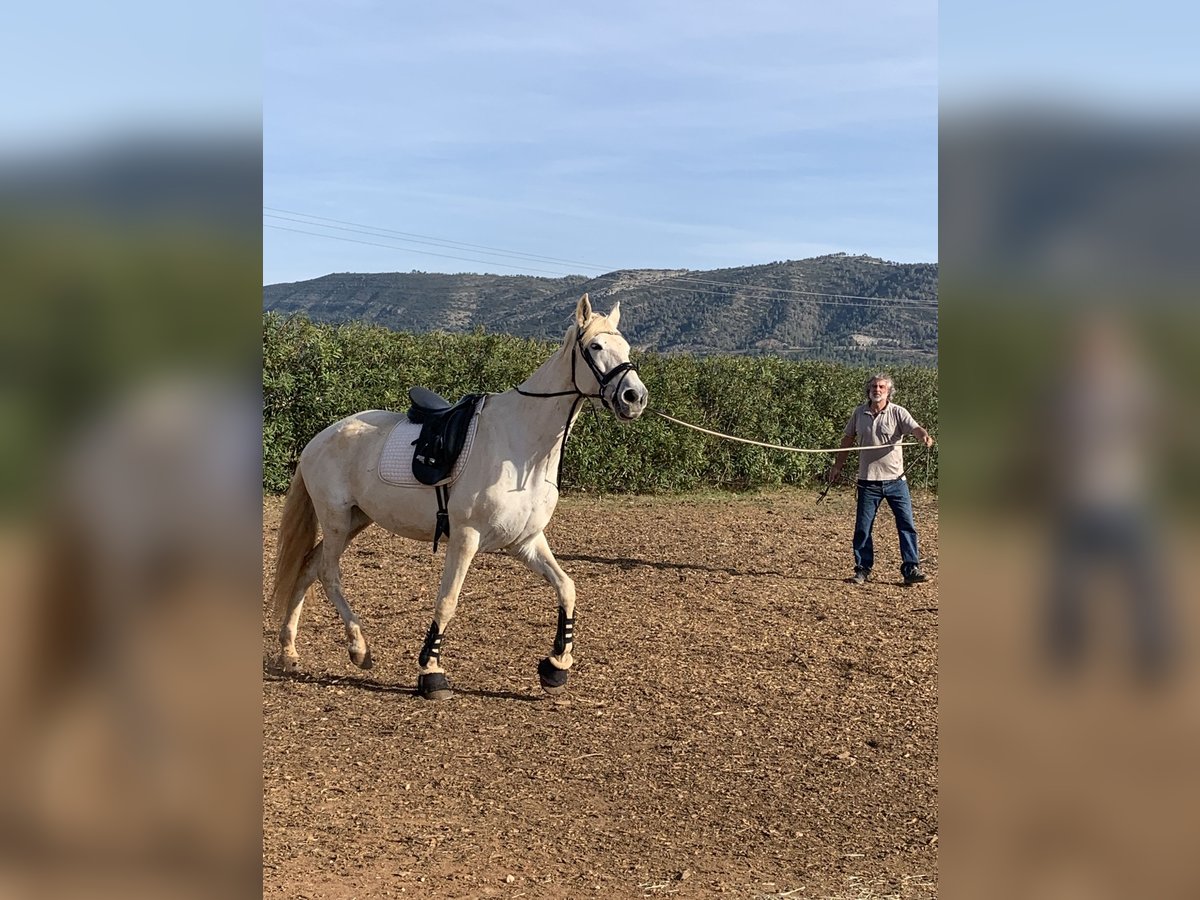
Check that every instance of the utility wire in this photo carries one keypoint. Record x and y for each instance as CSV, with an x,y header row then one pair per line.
x,y
336,237
413,237
410,237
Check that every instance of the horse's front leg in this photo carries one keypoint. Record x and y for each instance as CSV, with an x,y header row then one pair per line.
x,y
432,683
554,670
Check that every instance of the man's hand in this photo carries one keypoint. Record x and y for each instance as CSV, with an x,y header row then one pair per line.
x,y
834,472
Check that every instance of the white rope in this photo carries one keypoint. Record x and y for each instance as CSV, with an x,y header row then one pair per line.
x,y
730,437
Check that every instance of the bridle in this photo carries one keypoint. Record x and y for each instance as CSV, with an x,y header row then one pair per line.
x,y
618,373
603,379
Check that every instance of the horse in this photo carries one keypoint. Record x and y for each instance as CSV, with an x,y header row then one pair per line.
x,y
501,500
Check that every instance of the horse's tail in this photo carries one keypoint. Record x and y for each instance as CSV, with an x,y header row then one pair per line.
x,y
297,536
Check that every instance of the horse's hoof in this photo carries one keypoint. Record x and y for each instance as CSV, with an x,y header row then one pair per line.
x,y
552,678
289,665
363,658
434,686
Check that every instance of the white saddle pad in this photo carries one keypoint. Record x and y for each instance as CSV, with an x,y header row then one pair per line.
x,y
395,462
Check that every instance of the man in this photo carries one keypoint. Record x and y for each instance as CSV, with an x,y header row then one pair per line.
x,y
881,476
1106,422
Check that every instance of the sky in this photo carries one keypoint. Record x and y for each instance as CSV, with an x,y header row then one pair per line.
x,y
1128,59
531,137
78,73
660,133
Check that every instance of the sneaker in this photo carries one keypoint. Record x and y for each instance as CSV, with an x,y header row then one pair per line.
x,y
915,576
861,576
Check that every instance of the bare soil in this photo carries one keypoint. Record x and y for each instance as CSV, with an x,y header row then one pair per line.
x,y
741,720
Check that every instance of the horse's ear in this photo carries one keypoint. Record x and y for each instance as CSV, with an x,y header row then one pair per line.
x,y
615,316
583,311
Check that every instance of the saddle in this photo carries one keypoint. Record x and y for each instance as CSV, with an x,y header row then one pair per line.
x,y
444,429
443,432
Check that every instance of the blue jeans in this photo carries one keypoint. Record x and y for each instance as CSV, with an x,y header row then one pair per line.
x,y
1094,544
870,495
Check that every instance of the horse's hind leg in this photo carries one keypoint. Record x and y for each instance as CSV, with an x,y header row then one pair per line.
x,y
432,683
289,659
338,530
553,671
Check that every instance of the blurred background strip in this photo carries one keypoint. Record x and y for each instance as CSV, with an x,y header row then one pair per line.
x,y
130,181
1069,213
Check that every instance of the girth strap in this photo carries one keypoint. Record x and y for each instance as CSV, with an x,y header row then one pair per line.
x,y
443,517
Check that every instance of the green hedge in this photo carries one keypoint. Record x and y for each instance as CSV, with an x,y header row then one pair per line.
x,y
316,374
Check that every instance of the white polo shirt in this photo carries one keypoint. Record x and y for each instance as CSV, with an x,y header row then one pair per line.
x,y
889,426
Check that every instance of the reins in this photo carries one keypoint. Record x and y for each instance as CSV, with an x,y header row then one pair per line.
x,y
603,379
730,437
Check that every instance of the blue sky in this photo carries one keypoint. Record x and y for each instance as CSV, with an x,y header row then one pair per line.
x,y
1130,59
80,72
625,134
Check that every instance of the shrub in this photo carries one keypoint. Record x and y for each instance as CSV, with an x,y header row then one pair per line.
x,y
314,375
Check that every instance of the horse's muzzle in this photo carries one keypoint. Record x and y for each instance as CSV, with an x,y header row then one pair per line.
x,y
630,399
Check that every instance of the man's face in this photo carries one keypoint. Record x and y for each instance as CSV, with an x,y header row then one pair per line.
x,y
878,390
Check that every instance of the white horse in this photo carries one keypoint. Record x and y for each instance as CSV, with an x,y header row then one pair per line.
x,y
501,500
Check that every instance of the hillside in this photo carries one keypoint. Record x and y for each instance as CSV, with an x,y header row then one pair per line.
x,y
752,310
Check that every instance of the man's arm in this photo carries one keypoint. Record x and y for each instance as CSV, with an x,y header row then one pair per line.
x,y
923,436
839,459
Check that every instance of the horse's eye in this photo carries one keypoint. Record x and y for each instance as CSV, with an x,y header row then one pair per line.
x,y
596,346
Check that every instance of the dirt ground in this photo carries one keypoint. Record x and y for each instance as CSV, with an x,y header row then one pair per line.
x,y
741,720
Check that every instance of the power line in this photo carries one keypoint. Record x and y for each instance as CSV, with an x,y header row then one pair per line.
x,y
844,302
424,238
336,237
429,240
753,287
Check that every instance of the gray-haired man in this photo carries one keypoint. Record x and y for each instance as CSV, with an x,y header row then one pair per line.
x,y
881,476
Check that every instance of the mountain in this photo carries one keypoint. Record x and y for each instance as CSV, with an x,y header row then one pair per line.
x,y
181,181
1102,205
838,307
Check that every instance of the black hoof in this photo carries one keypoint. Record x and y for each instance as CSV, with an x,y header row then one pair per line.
x,y
435,686
552,678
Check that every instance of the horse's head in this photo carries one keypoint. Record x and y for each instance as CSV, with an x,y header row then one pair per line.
x,y
605,354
